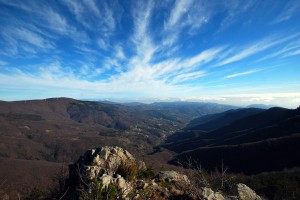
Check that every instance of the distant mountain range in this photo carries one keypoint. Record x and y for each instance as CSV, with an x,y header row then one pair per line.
x,y
53,128
262,106
246,140
214,121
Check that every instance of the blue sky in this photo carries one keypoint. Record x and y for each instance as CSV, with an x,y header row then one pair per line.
x,y
231,51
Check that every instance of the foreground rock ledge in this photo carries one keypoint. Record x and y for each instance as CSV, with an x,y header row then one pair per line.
x,y
115,169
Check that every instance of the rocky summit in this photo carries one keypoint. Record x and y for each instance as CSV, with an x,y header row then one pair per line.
x,y
104,161
113,173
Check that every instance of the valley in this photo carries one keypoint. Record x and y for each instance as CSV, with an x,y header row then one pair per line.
x,y
38,137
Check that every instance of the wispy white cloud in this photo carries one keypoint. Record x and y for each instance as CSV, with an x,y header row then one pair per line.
x,y
203,57
92,15
141,18
103,44
188,14
141,38
119,52
188,76
57,23
291,8
234,9
45,16
255,48
180,8
108,18
58,79
22,40
292,53
186,17
241,74
92,6
2,63
114,65
32,38
292,46
75,7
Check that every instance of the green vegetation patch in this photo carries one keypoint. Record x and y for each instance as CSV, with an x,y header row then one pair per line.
x,y
96,191
146,173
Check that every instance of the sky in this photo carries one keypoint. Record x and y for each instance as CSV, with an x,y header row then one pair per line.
x,y
235,52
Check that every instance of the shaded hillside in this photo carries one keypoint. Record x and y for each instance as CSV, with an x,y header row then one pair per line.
x,y
272,123
214,121
250,158
271,134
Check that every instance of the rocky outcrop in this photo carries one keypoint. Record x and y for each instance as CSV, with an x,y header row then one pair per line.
x,y
103,164
3,196
116,169
172,176
209,194
246,193
105,160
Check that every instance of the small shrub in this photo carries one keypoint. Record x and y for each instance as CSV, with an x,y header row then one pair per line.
x,y
217,180
146,174
36,194
96,191
166,184
127,170
110,192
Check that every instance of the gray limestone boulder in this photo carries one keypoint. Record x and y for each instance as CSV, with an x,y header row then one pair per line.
x,y
246,193
105,160
172,176
102,163
209,194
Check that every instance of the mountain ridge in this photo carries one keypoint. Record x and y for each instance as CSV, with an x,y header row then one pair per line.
x,y
276,130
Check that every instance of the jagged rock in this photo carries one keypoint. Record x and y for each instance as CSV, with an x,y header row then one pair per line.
x,y
246,193
137,196
103,164
209,194
4,197
120,181
172,176
106,179
110,164
141,184
218,196
142,165
153,183
105,160
124,187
